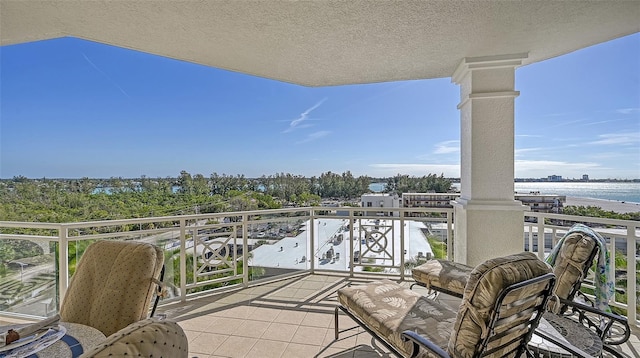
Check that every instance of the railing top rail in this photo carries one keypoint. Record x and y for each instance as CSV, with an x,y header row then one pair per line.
x,y
36,225
577,218
314,209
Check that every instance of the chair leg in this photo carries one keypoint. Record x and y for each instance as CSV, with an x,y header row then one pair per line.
x,y
335,316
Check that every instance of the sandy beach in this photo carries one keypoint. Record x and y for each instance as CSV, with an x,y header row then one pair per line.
x,y
608,205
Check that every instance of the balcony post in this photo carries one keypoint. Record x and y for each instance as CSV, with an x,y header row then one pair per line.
x,y
488,221
63,263
183,260
632,292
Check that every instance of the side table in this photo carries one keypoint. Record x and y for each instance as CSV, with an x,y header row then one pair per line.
x,y
558,336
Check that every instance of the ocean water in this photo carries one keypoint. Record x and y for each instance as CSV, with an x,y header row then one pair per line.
x,y
627,192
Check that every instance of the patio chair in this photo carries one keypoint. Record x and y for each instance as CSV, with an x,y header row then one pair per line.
x,y
147,338
571,260
502,304
113,285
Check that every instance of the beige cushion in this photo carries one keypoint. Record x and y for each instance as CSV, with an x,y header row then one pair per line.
x,y
146,338
485,284
112,286
389,309
572,260
443,275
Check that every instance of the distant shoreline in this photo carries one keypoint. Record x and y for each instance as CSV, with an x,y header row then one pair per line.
x,y
607,205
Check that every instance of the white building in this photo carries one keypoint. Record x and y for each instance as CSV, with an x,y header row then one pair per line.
x,y
380,201
548,203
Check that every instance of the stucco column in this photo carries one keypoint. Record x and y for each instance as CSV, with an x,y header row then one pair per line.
x,y
488,221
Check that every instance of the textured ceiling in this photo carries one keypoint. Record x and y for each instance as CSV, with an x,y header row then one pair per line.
x,y
318,43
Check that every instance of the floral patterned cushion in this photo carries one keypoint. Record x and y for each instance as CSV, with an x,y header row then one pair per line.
x,y
443,275
485,284
389,309
571,262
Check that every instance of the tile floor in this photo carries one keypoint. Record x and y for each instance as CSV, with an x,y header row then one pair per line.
x,y
290,318
285,319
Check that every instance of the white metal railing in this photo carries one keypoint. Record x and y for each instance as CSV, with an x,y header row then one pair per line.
x,y
213,251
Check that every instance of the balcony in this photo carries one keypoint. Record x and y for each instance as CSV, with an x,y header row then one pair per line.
x,y
263,283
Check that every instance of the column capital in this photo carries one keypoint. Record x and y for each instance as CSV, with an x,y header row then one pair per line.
x,y
494,205
486,62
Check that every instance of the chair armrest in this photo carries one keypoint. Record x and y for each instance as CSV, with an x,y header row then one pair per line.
x,y
420,341
612,329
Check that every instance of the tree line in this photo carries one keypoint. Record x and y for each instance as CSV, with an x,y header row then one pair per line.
x,y
85,199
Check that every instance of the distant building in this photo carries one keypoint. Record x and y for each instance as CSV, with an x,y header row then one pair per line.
x,y
585,177
546,203
542,203
380,201
554,178
428,200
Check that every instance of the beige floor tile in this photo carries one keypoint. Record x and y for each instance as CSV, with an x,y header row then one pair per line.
x,y
290,316
303,293
236,346
191,335
268,349
198,324
224,325
254,329
322,320
206,343
313,285
297,350
236,311
280,332
265,314
309,335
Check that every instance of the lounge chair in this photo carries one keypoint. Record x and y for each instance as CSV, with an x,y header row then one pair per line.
x,y
113,286
502,304
571,259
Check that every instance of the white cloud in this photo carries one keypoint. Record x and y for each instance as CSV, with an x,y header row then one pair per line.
x,y
560,124
527,150
304,116
95,67
618,139
314,136
628,110
450,146
606,121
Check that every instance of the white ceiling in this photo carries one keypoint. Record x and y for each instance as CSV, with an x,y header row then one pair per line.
x,y
319,43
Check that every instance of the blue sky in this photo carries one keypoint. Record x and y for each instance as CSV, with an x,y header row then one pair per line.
x,y
71,108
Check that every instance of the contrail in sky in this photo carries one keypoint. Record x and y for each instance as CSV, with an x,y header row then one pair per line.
x,y
303,116
105,75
